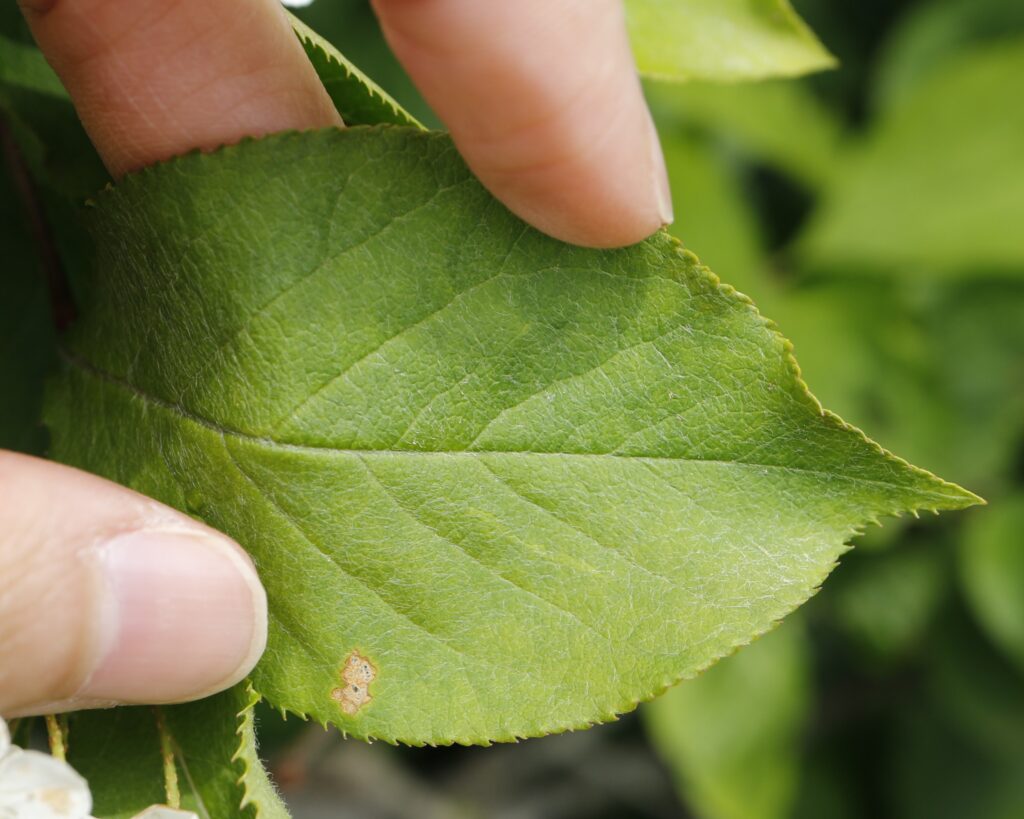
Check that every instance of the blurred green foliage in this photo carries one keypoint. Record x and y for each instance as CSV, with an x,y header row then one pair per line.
x,y
897,274
876,213
929,190
722,39
733,737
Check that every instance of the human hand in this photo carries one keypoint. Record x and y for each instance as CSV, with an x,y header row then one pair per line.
x,y
109,597
541,96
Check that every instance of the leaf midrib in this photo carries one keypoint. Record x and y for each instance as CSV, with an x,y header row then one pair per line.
x,y
271,443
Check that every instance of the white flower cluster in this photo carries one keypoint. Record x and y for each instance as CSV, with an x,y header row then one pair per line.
x,y
34,785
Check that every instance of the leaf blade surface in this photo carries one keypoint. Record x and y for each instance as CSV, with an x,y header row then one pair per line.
x,y
530,484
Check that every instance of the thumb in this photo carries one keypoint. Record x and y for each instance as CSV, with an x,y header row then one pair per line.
x,y
108,597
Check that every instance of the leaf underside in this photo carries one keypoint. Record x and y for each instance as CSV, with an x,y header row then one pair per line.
x,y
359,100
518,485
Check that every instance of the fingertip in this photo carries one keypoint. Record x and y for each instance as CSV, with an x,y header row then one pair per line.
x,y
615,197
182,616
544,102
112,598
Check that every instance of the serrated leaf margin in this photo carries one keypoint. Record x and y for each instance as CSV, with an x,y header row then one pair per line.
x,y
258,791
315,45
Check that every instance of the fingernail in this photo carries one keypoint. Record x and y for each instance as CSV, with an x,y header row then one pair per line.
x,y
182,616
659,173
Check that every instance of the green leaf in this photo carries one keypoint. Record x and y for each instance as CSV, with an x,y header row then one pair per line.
x,y
938,186
779,123
118,753
528,484
223,778
44,124
359,100
934,32
886,601
13,25
940,774
45,139
958,746
992,568
25,67
722,40
936,370
976,687
352,27
216,765
732,736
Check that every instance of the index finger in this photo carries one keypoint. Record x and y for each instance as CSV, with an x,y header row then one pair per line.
x,y
543,100
152,79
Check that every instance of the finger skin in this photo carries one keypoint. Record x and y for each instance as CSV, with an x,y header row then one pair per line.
x,y
541,96
543,100
109,597
152,79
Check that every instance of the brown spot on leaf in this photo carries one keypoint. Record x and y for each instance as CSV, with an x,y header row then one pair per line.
x,y
356,675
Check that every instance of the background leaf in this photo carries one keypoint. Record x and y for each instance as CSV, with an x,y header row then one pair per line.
x,y
715,216
780,123
23,66
886,601
46,143
938,371
992,563
219,773
733,735
359,100
722,39
933,33
938,185
958,746
44,124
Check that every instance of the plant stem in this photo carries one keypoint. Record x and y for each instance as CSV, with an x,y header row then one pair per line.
x,y
170,766
56,736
